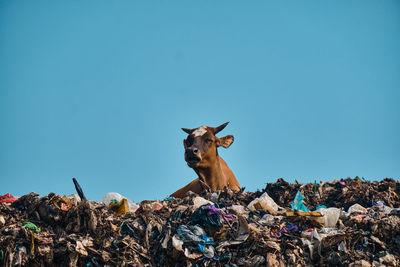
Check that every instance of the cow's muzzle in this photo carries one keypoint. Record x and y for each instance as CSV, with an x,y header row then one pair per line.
x,y
192,156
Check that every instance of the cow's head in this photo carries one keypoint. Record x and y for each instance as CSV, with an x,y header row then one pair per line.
x,y
201,145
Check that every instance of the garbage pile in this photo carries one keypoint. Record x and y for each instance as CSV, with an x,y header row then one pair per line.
x,y
350,222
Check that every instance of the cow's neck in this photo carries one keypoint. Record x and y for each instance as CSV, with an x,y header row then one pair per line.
x,y
212,176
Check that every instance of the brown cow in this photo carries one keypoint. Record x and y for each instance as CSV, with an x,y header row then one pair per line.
x,y
202,156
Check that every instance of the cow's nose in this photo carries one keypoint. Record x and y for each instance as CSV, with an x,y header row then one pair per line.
x,y
192,151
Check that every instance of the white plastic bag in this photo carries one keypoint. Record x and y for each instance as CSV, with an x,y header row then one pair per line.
x,y
118,197
111,196
264,202
75,198
329,218
199,201
357,208
239,210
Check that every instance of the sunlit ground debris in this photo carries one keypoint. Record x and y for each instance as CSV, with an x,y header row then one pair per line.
x,y
359,225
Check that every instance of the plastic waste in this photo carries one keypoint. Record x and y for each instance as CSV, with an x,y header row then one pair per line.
x,y
190,232
395,211
80,248
7,198
207,217
378,203
214,197
357,208
321,206
74,198
290,228
44,240
277,233
107,198
209,252
191,240
363,263
120,208
358,218
2,220
21,256
329,218
241,234
224,257
31,226
238,210
149,206
342,247
91,235
273,245
214,210
264,202
199,201
382,206
386,209
298,204
132,206
127,228
203,246
64,203
389,260
177,215
269,219
311,234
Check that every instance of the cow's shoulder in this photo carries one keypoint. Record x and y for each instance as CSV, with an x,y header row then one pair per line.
x,y
193,186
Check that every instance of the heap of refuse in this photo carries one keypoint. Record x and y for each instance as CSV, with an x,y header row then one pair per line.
x,y
350,222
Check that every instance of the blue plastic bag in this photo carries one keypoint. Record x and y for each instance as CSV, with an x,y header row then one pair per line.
x,y
298,204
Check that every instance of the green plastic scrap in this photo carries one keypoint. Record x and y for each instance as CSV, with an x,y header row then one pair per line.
x,y
31,226
298,204
168,198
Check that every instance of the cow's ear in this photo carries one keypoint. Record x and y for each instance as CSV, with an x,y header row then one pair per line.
x,y
225,141
185,143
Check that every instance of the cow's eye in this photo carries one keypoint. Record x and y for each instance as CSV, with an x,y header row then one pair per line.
x,y
209,141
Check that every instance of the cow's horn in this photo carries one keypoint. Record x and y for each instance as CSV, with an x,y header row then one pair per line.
x,y
186,130
221,127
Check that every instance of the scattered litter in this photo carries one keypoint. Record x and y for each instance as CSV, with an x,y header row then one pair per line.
x,y
115,200
7,198
264,202
2,220
199,201
357,208
298,203
361,227
329,217
31,226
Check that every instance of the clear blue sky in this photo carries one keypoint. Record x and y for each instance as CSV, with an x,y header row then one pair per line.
x,y
99,90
